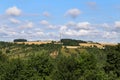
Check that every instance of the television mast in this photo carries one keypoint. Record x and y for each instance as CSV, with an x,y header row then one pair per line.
x,y
60,37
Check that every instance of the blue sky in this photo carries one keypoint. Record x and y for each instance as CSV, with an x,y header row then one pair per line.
x,y
90,20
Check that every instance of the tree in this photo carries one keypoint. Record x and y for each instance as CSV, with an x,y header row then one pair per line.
x,y
113,63
112,66
14,69
71,42
64,68
20,40
41,65
3,57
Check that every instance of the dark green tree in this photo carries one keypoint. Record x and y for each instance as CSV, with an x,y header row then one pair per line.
x,y
42,65
20,40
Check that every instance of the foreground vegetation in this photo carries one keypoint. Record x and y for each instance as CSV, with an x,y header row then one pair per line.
x,y
52,62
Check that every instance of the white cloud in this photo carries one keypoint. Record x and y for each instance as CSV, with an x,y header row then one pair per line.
x,y
105,25
110,35
71,32
73,13
27,25
12,33
6,31
47,24
83,25
44,22
117,24
71,23
51,27
14,21
78,29
30,24
52,35
13,11
83,32
63,28
39,33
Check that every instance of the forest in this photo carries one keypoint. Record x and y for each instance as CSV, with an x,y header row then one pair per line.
x,y
54,62
72,42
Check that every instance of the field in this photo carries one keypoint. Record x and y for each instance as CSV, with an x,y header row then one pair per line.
x,y
98,45
33,42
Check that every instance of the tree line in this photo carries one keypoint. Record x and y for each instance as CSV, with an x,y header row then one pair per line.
x,y
71,42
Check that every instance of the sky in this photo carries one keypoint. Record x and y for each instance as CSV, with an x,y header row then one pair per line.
x,y
89,20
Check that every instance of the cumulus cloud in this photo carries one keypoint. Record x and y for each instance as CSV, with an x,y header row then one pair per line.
x,y
13,11
47,24
117,24
72,32
79,25
6,31
79,29
83,32
63,28
110,35
27,25
105,25
83,25
14,21
71,23
73,13
40,33
67,31
71,29
44,22
52,35
82,29
51,26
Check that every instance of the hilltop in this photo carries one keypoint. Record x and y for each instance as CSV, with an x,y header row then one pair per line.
x,y
70,43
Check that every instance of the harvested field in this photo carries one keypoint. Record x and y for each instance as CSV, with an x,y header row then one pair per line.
x,y
32,42
98,45
91,45
109,44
